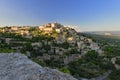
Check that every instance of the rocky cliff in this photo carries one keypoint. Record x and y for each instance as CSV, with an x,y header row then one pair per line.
x,y
15,66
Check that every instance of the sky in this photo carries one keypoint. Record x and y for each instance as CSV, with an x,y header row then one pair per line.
x,y
84,15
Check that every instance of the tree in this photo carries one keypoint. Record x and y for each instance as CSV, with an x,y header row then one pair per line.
x,y
117,61
115,75
42,63
91,55
65,45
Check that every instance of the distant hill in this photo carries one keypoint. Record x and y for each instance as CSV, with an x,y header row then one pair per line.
x,y
112,33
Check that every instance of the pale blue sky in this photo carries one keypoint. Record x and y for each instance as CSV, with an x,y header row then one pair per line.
x,y
88,15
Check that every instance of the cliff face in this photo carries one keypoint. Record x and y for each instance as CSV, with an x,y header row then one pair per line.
x,y
16,66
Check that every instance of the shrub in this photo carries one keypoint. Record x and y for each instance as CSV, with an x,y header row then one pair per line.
x,y
65,70
38,61
115,75
117,61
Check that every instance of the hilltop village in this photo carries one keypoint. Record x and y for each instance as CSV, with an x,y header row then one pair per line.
x,y
51,40
60,47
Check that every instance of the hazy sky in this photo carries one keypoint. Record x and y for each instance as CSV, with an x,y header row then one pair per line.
x,y
88,15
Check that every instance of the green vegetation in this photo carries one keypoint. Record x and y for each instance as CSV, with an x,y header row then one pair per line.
x,y
47,47
38,61
65,70
111,51
64,45
12,35
72,51
111,47
53,63
117,61
109,44
91,65
115,75
41,37
6,50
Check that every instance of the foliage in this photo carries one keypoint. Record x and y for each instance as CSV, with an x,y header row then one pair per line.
x,y
91,65
72,51
53,63
64,45
115,75
117,61
41,37
47,47
91,55
87,70
6,50
38,61
112,51
65,70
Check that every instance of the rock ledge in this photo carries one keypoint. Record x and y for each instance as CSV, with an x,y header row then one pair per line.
x,y
15,66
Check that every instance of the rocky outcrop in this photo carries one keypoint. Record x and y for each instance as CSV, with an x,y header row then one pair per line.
x,y
113,60
15,66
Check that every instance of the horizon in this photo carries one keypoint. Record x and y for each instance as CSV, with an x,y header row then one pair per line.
x,y
85,15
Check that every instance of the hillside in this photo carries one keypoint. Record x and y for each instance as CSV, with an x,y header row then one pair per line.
x,y
62,48
55,46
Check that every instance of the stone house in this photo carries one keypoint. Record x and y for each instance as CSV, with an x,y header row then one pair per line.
x,y
94,46
44,57
79,44
38,44
72,57
8,40
24,32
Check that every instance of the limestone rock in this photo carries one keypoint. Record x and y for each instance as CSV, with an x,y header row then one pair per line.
x,y
15,66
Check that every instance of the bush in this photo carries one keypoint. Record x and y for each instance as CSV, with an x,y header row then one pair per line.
x,y
65,70
6,50
107,65
38,61
91,56
117,61
72,51
81,68
47,47
64,45
54,63
115,75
